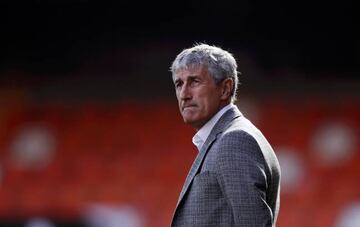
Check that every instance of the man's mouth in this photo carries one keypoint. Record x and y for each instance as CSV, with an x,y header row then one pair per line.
x,y
188,107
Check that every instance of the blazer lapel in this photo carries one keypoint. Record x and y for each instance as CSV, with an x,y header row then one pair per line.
x,y
218,128
196,165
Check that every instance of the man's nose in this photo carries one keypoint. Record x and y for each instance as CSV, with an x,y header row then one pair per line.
x,y
185,92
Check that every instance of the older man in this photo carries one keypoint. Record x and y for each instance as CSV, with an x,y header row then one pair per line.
x,y
235,178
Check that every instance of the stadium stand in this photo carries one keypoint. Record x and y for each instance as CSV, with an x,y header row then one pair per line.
x,y
139,153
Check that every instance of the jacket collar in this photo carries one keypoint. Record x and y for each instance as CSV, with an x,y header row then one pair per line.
x,y
219,127
204,132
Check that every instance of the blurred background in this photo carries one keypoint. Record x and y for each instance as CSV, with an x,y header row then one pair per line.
x,y
90,134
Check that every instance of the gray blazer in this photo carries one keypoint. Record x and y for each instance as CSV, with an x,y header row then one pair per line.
x,y
234,180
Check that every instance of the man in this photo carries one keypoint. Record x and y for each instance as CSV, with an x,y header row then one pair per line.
x,y
235,178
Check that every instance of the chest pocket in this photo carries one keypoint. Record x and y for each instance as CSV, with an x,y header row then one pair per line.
x,y
206,185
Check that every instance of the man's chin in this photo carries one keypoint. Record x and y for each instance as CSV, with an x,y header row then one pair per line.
x,y
195,123
188,120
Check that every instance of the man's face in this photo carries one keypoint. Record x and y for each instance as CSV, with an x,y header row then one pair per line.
x,y
199,98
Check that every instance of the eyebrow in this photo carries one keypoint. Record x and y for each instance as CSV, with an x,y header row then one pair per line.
x,y
193,76
190,77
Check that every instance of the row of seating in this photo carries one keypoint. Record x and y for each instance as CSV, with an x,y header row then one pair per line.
x,y
139,153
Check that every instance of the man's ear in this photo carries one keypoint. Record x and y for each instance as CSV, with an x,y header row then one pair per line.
x,y
226,88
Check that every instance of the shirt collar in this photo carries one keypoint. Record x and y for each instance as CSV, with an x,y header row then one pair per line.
x,y
200,137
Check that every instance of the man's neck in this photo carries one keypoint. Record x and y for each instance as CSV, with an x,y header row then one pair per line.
x,y
222,105
202,134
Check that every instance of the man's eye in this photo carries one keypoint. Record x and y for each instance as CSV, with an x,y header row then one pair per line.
x,y
195,82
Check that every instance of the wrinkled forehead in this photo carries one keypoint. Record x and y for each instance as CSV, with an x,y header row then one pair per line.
x,y
193,69
184,74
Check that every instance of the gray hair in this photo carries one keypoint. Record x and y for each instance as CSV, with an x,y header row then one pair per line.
x,y
220,63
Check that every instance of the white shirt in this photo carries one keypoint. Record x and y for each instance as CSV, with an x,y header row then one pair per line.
x,y
203,133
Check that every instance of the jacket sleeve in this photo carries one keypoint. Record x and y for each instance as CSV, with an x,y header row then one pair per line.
x,y
242,175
